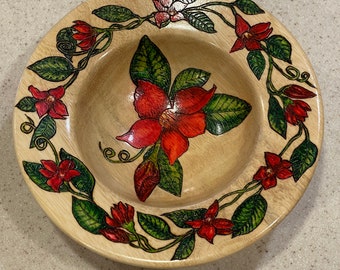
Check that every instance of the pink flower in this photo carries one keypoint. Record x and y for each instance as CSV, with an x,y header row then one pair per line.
x,y
85,34
168,10
57,174
276,168
249,37
48,102
210,226
170,121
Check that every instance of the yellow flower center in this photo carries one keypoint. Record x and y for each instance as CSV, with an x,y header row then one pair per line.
x,y
50,99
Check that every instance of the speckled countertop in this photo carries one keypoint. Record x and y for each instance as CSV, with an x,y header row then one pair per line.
x,y
308,238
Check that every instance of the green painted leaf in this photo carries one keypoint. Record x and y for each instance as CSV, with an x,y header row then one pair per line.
x,y
85,182
257,63
185,247
150,64
171,176
200,21
180,217
276,117
303,157
189,77
114,14
225,112
27,104
249,215
66,44
88,215
248,7
279,47
46,129
53,68
155,226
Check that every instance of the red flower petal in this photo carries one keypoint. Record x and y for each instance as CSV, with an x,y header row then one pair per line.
x,y
142,133
195,224
296,91
223,226
115,235
208,232
49,165
36,93
303,105
252,45
174,145
283,173
272,159
58,92
47,173
241,26
87,44
60,108
191,125
238,45
146,179
150,100
82,27
130,212
263,35
161,17
117,214
259,28
113,223
66,165
55,182
71,174
192,100
212,210
269,182
42,108
260,174
82,36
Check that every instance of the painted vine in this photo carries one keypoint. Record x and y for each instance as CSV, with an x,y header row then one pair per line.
x,y
63,172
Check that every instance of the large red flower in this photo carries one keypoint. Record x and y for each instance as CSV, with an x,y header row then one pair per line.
x,y
210,226
85,34
57,174
48,102
170,121
249,37
276,168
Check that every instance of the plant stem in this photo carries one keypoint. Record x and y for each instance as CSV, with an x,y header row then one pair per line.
x,y
293,139
248,187
78,194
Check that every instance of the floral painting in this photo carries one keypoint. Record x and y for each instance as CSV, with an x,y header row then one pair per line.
x,y
168,115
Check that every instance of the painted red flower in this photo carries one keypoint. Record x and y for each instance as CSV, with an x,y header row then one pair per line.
x,y
170,121
296,112
146,179
122,215
168,10
249,37
57,174
210,226
85,34
115,235
276,168
48,102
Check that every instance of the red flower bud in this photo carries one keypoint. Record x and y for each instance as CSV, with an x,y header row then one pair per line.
x,y
122,215
85,34
296,112
146,179
296,91
115,235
